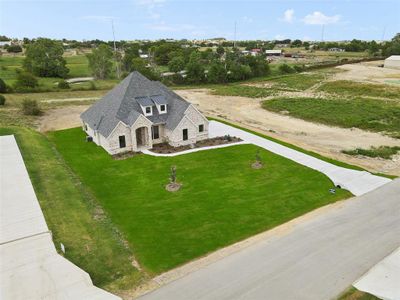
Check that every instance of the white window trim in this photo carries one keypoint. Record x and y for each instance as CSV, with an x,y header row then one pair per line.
x,y
144,110
159,109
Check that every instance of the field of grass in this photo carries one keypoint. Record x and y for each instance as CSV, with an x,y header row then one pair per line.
x,y
222,200
368,114
298,81
351,88
73,215
384,152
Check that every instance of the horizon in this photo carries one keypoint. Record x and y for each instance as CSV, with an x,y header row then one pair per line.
x,y
163,19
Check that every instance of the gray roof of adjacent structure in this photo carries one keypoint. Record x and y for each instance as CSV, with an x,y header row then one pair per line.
x,y
124,101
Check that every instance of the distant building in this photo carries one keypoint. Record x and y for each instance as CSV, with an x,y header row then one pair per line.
x,y
392,62
273,52
336,50
144,56
5,43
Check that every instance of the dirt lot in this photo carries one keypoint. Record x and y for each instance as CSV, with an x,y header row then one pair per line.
x,y
62,118
368,72
323,139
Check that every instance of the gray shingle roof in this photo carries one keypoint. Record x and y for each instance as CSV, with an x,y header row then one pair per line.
x,y
123,102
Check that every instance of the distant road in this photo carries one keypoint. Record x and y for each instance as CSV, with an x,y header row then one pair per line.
x,y
318,259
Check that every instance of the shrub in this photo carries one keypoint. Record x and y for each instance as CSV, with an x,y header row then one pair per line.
x,y
3,86
286,69
92,86
30,107
25,81
298,68
63,84
2,100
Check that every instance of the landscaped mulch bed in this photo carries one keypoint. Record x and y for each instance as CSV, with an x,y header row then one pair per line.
x,y
165,148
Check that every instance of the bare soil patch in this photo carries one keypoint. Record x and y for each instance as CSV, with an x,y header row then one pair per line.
x,y
61,118
370,72
326,140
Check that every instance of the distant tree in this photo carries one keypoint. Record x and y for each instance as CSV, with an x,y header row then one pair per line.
x,y
220,50
3,86
100,61
140,65
131,52
195,69
2,100
176,64
392,47
217,73
306,45
297,43
25,80
63,84
44,58
161,52
239,72
14,49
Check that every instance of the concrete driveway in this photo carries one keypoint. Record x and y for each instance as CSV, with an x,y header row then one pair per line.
x,y
357,182
317,259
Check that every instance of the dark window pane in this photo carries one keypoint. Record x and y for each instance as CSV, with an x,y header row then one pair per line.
x,y
155,132
148,110
185,134
122,143
201,128
162,107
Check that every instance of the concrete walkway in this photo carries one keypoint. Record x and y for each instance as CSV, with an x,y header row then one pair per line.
x,y
317,259
383,280
357,182
30,267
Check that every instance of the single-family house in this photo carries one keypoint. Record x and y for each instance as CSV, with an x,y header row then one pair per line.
x,y
273,52
138,113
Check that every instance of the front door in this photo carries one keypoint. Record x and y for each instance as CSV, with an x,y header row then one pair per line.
x,y
185,134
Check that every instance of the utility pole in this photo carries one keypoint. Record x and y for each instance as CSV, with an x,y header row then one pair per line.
x,y
322,33
115,51
383,33
234,37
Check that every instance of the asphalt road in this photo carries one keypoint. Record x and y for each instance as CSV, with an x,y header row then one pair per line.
x,y
317,259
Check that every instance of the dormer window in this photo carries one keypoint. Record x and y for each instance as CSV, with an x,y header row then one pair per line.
x,y
148,111
163,108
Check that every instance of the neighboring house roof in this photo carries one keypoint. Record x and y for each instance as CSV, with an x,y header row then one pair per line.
x,y
123,103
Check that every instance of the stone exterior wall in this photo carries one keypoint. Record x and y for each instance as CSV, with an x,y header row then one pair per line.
x,y
198,119
113,139
176,136
191,121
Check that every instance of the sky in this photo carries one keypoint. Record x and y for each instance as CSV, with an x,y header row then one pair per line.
x,y
198,19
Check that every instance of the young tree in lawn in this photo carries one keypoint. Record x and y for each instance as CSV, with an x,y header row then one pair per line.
x,y
3,86
100,61
176,64
44,58
25,80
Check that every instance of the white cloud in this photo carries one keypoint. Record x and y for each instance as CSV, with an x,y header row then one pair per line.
x,y
247,19
279,37
288,16
318,18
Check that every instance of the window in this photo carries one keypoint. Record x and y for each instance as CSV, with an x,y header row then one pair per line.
x,y
148,110
122,142
162,108
85,127
201,128
185,134
155,131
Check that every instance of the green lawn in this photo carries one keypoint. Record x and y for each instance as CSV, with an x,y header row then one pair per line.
x,y
369,114
354,294
73,215
351,88
222,200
